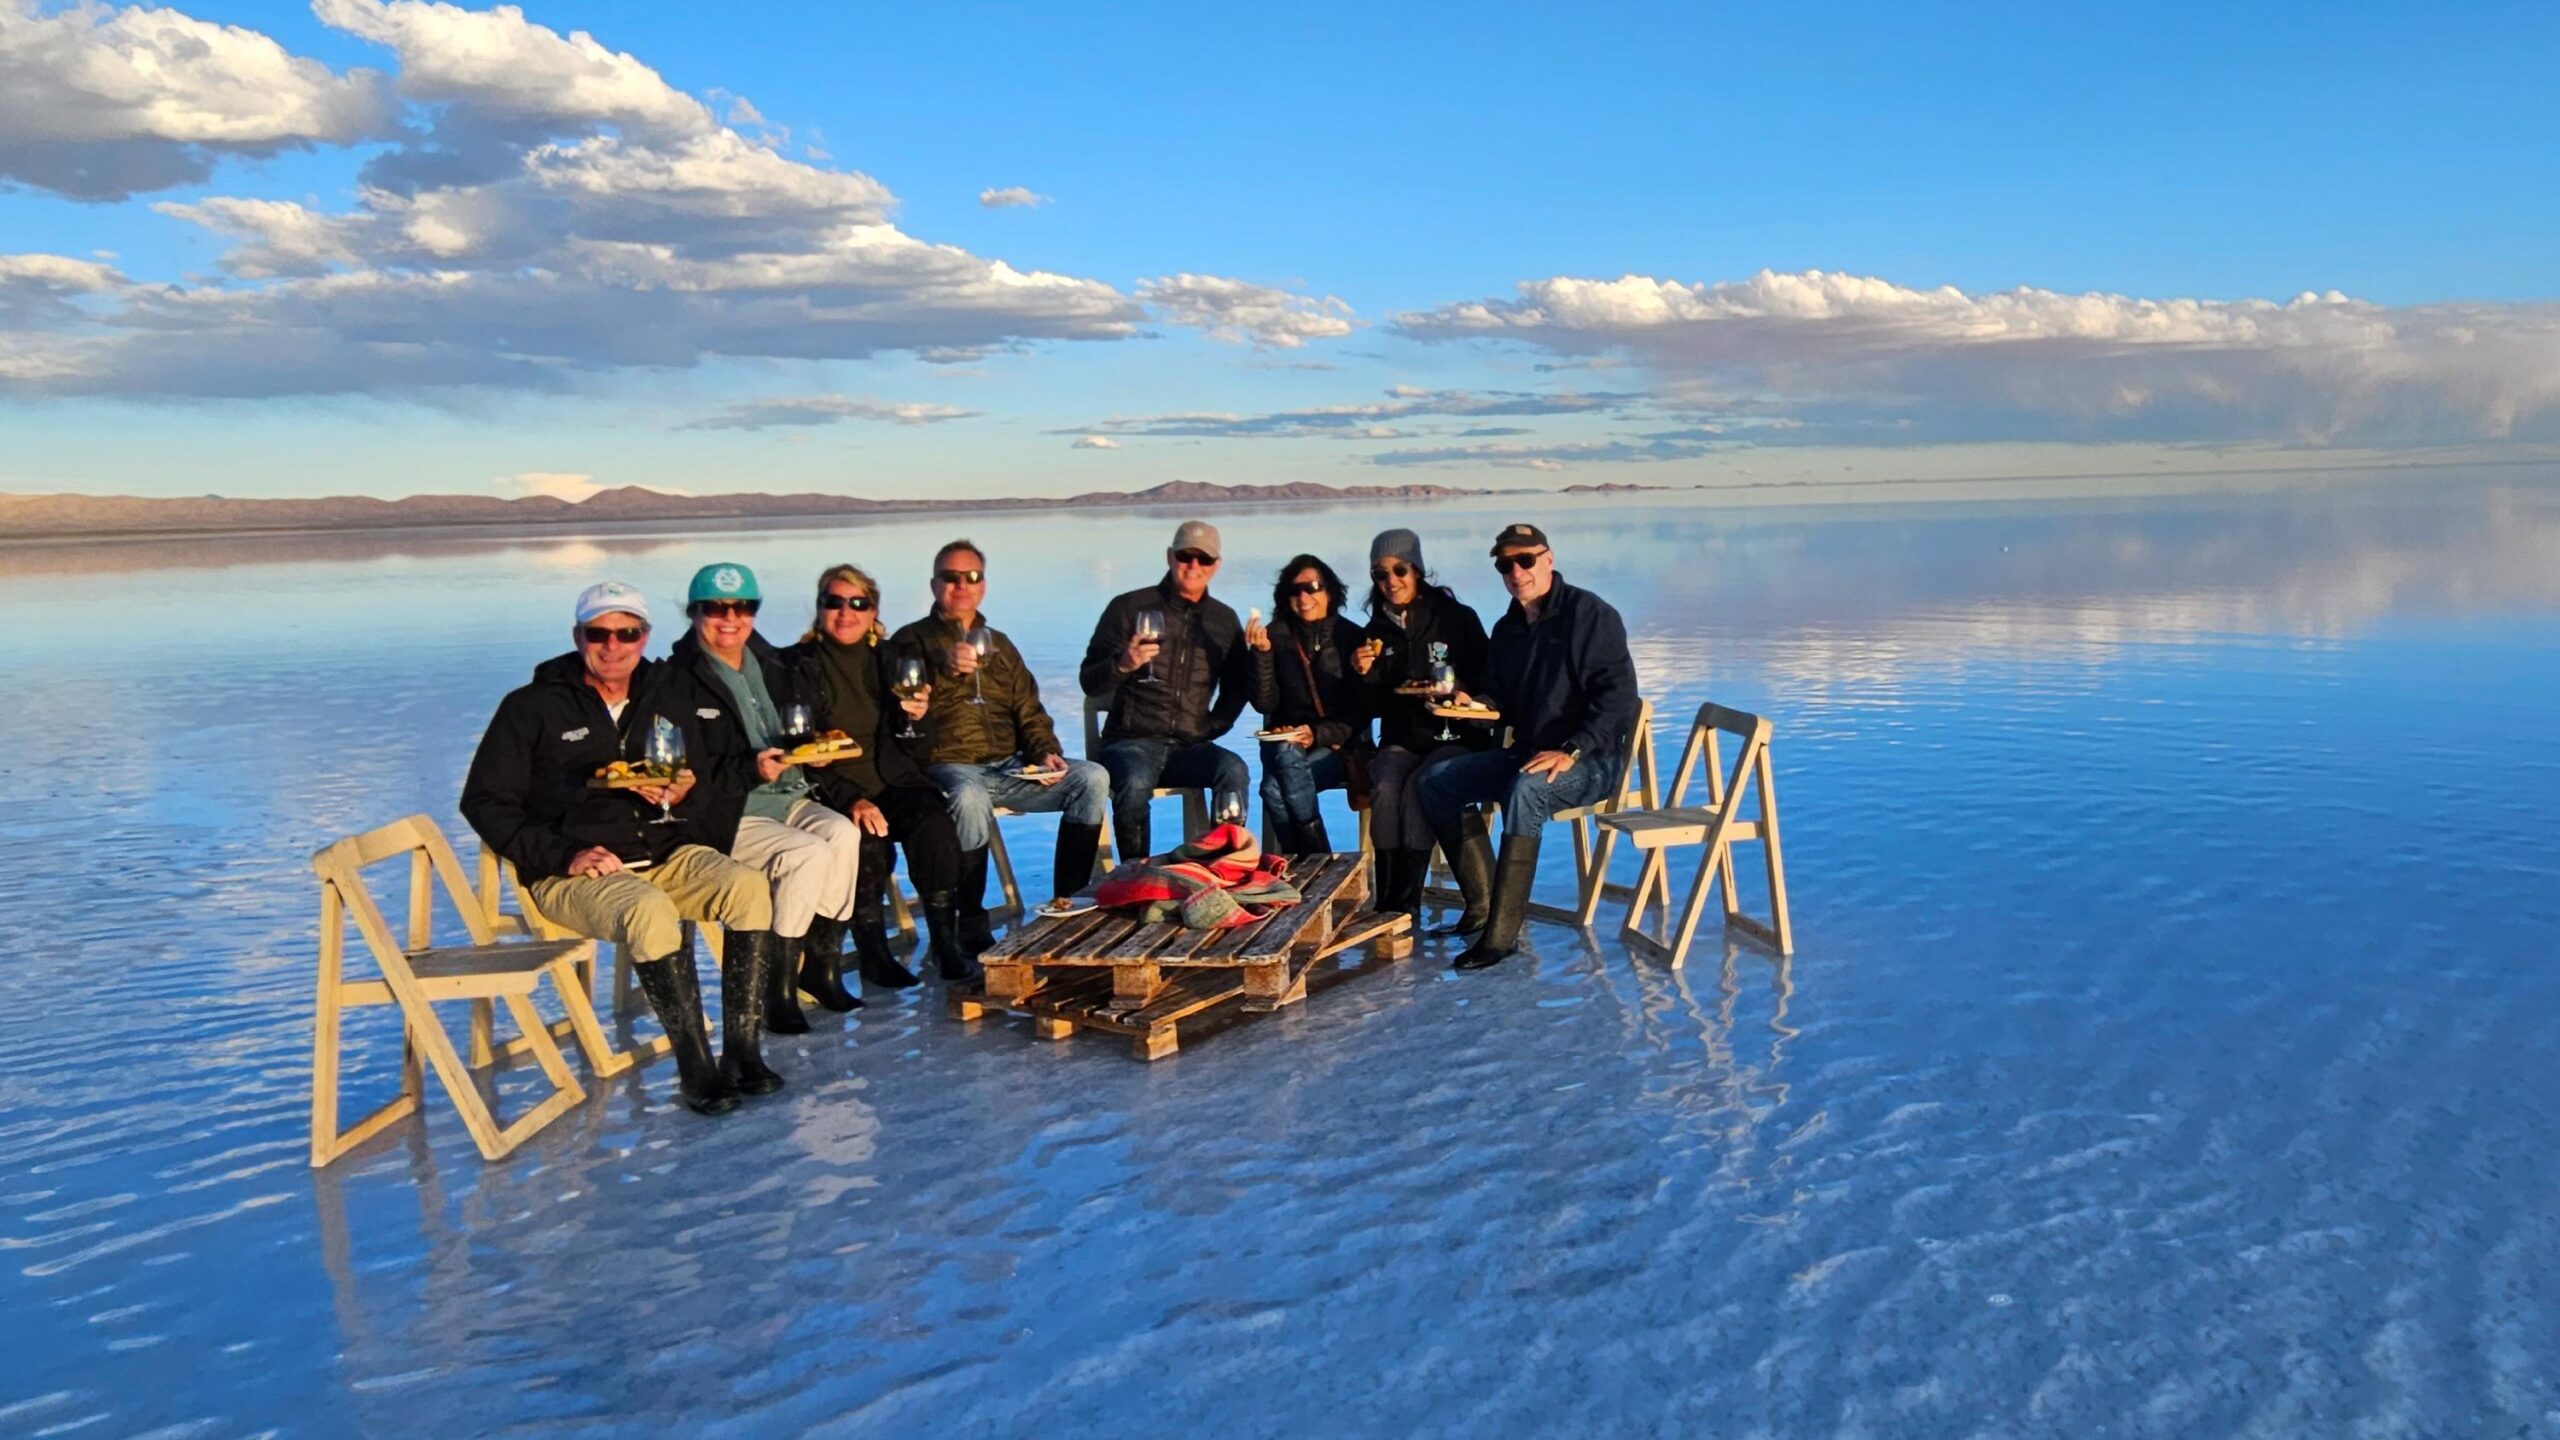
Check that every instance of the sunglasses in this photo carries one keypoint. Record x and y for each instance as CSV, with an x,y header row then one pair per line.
x,y
627,634
1201,559
1392,571
960,577
1305,587
844,602
723,609
1522,561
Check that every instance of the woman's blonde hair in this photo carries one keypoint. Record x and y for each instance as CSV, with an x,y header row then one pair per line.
x,y
852,575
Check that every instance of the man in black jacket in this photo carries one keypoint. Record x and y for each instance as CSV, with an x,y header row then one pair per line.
x,y
1171,694
594,861
1557,668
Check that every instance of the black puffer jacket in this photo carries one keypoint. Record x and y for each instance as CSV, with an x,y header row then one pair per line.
x,y
527,796
1306,678
720,801
1406,720
1202,674
852,683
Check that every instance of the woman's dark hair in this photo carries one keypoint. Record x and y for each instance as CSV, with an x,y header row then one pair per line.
x,y
1281,594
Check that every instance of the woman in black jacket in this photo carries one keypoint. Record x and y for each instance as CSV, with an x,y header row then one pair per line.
x,y
1413,623
1305,687
885,789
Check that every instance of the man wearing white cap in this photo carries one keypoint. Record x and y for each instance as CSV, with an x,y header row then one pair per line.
x,y
591,859
1172,664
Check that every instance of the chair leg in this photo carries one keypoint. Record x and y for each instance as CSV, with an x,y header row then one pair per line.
x,y
901,914
1003,861
603,1061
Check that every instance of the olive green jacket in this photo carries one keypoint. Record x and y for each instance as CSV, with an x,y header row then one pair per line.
x,y
1011,723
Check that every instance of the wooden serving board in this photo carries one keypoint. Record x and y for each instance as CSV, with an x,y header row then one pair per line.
x,y
1459,712
827,755
634,782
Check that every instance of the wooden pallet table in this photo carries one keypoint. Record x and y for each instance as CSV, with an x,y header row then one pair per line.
x,y
1111,972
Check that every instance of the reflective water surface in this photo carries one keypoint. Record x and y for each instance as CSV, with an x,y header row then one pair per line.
x,y
2169,1049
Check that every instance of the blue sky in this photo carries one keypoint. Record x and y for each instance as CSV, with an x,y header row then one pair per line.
x,y
1533,242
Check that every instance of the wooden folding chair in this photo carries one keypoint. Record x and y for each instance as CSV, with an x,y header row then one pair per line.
x,y
1715,827
416,975
1195,800
527,919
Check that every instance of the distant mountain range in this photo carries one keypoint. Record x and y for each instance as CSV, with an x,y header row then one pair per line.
x,y
41,517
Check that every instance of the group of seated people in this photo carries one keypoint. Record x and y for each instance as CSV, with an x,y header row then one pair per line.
x,y
791,860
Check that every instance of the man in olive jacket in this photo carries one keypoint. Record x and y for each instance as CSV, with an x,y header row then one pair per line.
x,y
993,742
1171,695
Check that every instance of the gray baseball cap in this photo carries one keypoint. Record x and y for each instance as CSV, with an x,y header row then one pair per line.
x,y
1197,535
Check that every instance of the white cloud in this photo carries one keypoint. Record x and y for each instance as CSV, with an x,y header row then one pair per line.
x,y
1094,442
1241,312
557,485
504,69
1361,422
283,238
1863,356
98,103
825,410
1011,197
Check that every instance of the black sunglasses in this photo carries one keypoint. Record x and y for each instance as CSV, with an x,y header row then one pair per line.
x,y
1304,587
598,634
1201,558
960,577
1508,563
844,602
1392,571
727,607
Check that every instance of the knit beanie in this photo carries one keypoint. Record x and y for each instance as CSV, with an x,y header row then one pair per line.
x,y
1403,545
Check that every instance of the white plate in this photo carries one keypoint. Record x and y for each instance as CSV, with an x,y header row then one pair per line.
x,y
1060,909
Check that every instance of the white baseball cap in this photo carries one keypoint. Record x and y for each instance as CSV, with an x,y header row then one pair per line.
x,y
610,597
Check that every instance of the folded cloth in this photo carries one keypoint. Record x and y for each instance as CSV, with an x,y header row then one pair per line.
x,y
1238,887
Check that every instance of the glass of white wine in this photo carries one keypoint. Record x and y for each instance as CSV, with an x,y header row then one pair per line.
x,y
907,682
980,642
664,756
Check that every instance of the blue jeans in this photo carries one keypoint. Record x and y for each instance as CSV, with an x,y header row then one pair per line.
x,y
1291,777
1452,783
974,791
1141,767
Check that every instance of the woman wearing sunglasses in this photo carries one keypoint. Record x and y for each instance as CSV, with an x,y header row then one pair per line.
x,y
1315,706
1413,623
884,789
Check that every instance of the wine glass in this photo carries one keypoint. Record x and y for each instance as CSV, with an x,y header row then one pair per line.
x,y
1444,684
1150,627
665,756
907,682
798,726
980,644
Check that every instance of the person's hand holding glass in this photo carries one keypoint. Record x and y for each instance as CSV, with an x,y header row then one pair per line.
x,y
1143,644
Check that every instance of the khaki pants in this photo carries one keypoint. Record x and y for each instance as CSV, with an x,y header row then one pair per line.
x,y
643,910
810,857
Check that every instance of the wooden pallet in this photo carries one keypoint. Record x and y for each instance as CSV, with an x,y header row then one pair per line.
x,y
1109,972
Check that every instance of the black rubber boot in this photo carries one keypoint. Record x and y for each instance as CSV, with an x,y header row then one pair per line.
x,y
1077,845
942,924
975,933
1412,868
1386,871
1511,881
1470,852
745,984
822,966
675,992
1305,838
870,926
782,1013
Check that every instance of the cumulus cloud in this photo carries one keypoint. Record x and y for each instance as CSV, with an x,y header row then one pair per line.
x,y
100,104
557,209
1011,197
1094,442
1372,421
1859,355
825,410
1241,312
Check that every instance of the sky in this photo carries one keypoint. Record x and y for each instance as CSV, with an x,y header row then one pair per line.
x,y
389,247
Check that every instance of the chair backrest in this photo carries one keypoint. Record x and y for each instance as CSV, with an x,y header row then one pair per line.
x,y
1635,762
1714,719
340,867
1094,709
498,878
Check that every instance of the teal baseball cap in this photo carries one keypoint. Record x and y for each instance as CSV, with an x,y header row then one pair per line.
x,y
722,581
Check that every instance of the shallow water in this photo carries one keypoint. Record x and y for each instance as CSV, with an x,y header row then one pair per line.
x,y
2168,1050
